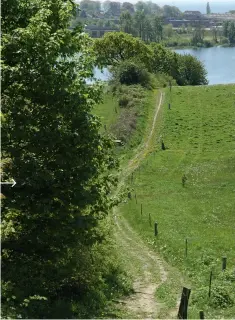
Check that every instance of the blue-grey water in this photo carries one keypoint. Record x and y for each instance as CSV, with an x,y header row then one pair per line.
x,y
216,6
219,63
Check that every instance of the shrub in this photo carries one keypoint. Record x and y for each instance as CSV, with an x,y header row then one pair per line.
x,y
221,296
191,71
129,73
224,40
123,101
162,80
207,43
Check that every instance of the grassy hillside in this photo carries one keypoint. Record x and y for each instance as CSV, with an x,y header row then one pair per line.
x,y
108,111
130,122
199,133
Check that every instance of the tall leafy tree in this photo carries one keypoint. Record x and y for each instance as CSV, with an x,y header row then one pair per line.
x,y
139,19
168,30
231,32
59,159
225,28
157,29
127,6
190,71
215,34
90,6
142,6
114,8
126,22
119,46
171,11
208,8
198,34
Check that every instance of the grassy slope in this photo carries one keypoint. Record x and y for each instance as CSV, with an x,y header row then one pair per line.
x,y
108,111
199,132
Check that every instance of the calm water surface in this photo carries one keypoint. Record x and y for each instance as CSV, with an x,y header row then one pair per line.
x,y
219,63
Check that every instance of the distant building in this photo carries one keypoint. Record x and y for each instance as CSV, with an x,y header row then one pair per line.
x,y
98,31
221,16
192,15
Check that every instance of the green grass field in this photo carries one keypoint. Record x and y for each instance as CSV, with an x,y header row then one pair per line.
x,y
199,133
108,111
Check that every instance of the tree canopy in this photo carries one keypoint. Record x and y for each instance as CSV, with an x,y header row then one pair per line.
x,y
117,47
55,152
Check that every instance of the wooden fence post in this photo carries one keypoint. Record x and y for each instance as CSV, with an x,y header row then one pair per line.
x,y
183,308
186,247
155,228
224,263
209,293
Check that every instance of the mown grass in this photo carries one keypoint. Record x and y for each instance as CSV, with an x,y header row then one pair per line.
x,y
199,133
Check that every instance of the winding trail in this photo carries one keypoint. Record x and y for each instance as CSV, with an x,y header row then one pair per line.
x,y
149,270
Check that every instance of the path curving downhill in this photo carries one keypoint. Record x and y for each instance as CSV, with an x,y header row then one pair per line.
x,y
149,269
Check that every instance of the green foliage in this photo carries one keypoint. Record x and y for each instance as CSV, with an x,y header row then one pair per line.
x,y
126,22
229,31
208,8
124,100
198,35
134,107
162,80
127,6
52,219
221,296
171,12
90,6
129,73
191,71
119,46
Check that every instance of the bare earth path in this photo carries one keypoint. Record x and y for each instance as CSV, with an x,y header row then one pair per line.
x,y
149,271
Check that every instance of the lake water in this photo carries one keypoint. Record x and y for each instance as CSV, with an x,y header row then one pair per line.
x,y
219,63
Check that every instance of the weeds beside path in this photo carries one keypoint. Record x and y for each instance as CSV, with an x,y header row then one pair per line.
x,y
148,269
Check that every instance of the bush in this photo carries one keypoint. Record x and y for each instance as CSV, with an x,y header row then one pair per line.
x,y
123,101
221,296
162,80
207,43
130,73
224,40
191,71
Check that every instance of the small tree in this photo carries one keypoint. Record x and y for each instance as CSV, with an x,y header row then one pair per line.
x,y
231,32
129,73
198,34
191,71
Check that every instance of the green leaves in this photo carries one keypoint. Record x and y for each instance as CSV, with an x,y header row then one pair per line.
x,y
56,154
119,46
